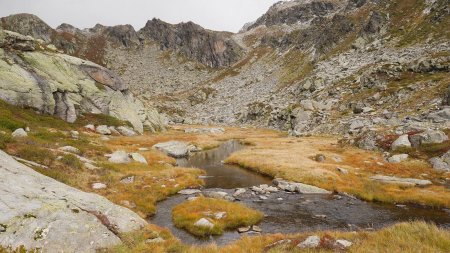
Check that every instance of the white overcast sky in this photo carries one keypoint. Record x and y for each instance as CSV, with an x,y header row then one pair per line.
x,y
224,15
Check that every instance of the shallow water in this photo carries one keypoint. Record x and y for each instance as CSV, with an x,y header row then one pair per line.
x,y
296,212
220,175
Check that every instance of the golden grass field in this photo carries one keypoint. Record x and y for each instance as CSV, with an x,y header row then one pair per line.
x,y
268,152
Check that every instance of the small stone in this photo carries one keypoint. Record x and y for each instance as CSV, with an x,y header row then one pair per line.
x,y
310,242
257,189
98,186
126,131
189,191
271,189
343,244
401,142
320,216
215,194
277,243
70,149
138,158
398,158
90,127
238,192
204,223
143,149
244,229
119,157
280,199
256,228
342,170
74,134
103,129
262,197
220,215
90,166
127,180
320,158
154,240
19,133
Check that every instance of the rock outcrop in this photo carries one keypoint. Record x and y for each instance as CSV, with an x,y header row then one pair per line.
x,y
47,215
213,49
65,86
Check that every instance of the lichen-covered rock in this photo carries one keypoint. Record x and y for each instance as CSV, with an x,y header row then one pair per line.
x,y
103,129
176,149
138,158
119,156
123,130
19,133
66,86
428,137
46,214
401,142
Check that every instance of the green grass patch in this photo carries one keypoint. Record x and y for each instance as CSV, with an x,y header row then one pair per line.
x,y
39,155
5,138
71,161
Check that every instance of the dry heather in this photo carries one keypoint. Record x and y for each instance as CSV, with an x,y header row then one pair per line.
x,y
236,215
402,237
294,159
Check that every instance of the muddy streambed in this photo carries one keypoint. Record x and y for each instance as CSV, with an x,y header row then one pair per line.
x,y
293,212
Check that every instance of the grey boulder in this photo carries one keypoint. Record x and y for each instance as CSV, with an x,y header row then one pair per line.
x,y
176,149
428,137
19,133
126,131
48,215
119,157
401,142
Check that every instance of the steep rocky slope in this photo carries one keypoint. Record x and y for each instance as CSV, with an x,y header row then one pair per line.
x,y
318,66
36,75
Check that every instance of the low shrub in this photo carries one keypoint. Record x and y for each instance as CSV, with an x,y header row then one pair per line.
x,y
71,161
38,155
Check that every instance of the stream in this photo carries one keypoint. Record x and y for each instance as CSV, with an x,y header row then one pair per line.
x,y
295,212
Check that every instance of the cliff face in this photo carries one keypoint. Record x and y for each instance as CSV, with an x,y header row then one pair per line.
x,y
213,49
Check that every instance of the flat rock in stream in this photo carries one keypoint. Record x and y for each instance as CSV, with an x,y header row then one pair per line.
x,y
298,187
399,180
176,149
189,191
215,194
46,214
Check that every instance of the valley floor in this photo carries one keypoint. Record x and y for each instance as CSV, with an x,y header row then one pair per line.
x,y
317,160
